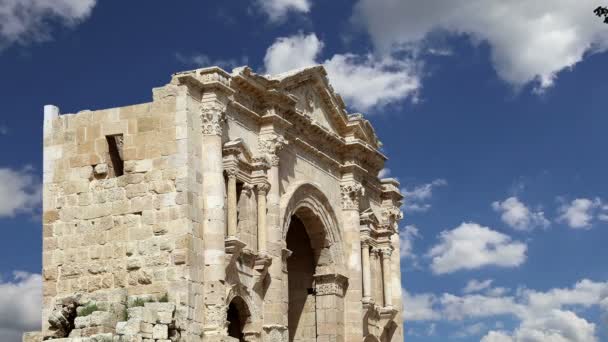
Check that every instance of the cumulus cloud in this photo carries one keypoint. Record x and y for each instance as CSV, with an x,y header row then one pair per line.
x,y
557,325
22,21
20,191
20,300
385,172
472,246
406,238
419,307
541,316
475,285
277,10
365,81
529,41
416,198
579,213
518,216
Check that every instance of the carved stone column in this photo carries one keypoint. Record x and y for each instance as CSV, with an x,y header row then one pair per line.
x,y
330,302
261,199
366,271
385,254
351,195
214,222
269,145
232,203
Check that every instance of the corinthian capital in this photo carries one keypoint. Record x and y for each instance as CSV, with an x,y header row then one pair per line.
x,y
392,215
271,144
212,116
351,194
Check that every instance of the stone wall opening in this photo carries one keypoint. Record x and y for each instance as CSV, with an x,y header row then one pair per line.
x,y
301,268
115,143
238,316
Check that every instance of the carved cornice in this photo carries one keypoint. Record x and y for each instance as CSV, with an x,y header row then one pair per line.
x,y
212,118
351,194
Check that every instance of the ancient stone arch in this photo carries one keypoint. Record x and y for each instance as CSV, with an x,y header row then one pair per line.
x,y
308,202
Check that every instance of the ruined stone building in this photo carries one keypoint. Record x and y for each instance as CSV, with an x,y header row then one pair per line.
x,y
233,207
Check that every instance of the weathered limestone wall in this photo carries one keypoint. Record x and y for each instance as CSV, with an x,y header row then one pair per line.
x,y
104,232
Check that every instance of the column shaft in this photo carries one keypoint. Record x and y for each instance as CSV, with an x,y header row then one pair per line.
x,y
367,279
232,205
262,218
386,278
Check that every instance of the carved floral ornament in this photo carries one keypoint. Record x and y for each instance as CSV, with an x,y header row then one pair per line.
x,y
271,144
351,194
392,215
212,116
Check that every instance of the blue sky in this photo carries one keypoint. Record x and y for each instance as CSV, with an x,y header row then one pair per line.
x,y
491,112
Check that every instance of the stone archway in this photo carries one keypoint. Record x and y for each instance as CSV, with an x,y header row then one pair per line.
x,y
315,286
244,321
237,317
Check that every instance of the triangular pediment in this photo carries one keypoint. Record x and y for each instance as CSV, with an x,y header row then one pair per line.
x,y
310,103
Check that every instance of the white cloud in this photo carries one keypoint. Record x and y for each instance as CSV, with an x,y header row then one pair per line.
x,y
364,81
471,246
541,316
22,21
277,10
419,307
475,285
294,52
20,300
518,216
456,308
415,200
579,213
529,41
19,191
406,238
555,326
497,336
3,130
472,330
385,172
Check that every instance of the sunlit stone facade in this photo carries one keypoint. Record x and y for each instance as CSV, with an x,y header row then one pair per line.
x,y
233,207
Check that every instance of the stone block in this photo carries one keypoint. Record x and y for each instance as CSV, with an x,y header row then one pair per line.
x,y
82,322
160,307
101,169
160,332
130,327
165,317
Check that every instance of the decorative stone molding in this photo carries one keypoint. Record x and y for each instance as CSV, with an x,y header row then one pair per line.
x,y
275,333
392,215
386,251
271,145
234,247
351,194
331,284
212,117
263,188
231,172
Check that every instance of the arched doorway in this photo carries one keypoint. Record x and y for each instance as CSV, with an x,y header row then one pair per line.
x,y
301,268
315,286
238,316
